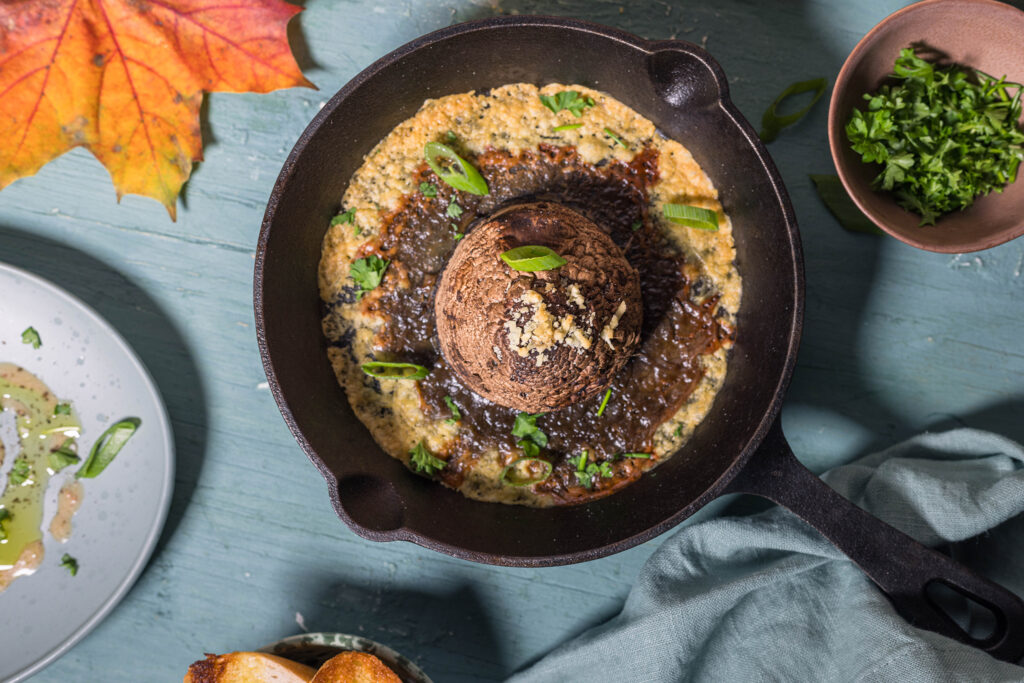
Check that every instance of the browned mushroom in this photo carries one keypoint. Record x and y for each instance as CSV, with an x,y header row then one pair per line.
x,y
538,341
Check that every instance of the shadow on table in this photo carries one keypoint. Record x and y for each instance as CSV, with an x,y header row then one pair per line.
x,y
147,329
447,634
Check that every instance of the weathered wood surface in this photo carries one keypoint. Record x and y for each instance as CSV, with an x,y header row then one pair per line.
x,y
896,341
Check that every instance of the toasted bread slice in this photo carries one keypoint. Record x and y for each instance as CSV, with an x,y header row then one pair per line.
x,y
355,667
248,667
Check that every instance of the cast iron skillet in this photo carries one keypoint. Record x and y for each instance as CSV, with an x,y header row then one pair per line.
x,y
738,448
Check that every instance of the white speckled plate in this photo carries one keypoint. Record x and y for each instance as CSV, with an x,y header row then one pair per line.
x,y
85,361
313,649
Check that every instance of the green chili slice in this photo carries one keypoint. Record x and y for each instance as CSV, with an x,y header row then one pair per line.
x,y
532,257
454,170
385,370
691,216
772,123
511,476
107,447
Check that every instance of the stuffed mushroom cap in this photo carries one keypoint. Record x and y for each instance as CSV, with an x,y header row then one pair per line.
x,y
542,340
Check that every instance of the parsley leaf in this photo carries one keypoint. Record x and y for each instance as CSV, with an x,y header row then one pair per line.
x,y
69,563
453,210
569,100
30,336
368,272
456,413
526,429
62,409
346,217
428,189
424,461
941,135
20,472
4,514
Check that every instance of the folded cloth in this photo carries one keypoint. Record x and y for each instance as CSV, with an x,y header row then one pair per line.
x,y
765,598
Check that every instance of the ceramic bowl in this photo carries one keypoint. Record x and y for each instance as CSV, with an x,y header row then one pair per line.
x,y
980,33
313,649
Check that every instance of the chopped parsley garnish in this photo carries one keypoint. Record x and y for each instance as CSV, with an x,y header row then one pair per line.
x,y
459,236
424,461
450,137
679,430
62,409
69,563
531,438
453,210
20,472
4,515
636,225
615,138
368,272
568,126
570,100
942,135
61,458
586,471
456,413
346,217
428,189
604,402
30,336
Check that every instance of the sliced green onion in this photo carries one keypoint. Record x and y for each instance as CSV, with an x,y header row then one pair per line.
x,y
691,216
532,257
634,455
604,402
385,370
567,126
107,447
455,171
510,475
772,123
615,138
61,458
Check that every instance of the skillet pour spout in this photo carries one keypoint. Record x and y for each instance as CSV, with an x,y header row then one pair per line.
x,y
681,88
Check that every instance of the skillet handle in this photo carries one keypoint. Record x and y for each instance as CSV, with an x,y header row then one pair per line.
x,y
899,565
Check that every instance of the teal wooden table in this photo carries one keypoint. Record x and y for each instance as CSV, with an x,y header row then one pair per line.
x,y
896,341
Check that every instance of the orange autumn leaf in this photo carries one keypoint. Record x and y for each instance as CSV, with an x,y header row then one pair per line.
x,y
125,78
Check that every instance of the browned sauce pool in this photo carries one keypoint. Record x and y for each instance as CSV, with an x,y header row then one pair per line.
x,y
680,322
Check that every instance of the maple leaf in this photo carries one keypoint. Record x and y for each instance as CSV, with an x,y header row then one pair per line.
x,y
125,78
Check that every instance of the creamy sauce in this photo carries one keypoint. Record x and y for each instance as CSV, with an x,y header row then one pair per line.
x,y
40,432
68,501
